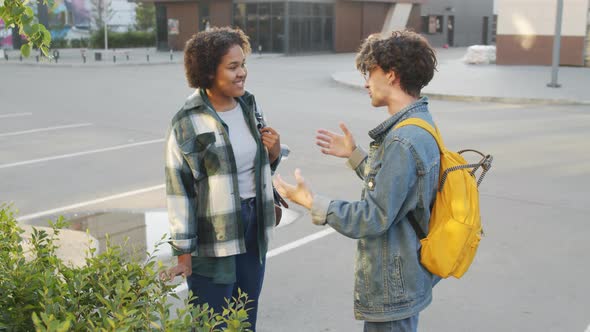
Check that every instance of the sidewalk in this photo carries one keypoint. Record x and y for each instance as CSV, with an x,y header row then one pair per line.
x,y
456,80
74,57
82,57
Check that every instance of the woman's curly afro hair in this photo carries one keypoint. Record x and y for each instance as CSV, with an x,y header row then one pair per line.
x,y
203,53
407,53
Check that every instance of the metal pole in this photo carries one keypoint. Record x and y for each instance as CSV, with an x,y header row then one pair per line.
x,y
556,46
106,37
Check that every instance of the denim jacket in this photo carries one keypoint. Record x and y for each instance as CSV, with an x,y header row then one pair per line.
x,y
400,177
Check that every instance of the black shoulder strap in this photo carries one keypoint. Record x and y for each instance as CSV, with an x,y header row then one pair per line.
x,y
419,232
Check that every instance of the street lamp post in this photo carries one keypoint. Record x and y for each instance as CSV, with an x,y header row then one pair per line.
x,y
556,46
106,37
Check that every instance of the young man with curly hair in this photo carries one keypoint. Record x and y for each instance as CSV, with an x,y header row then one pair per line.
x,y
219,158
400,175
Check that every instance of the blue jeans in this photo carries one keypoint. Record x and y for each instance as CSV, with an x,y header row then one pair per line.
x,y
409,324
249,272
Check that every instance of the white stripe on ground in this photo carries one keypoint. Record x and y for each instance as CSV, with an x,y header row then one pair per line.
x,y
45,129
588,328
183,287
83,153
299,243
14,115
94,201
280,250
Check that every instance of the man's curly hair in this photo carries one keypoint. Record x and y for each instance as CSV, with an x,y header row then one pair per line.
x,y
405,52
203,53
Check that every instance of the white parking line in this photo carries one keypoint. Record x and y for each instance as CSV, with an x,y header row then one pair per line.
x,y
14,115
83,153
588,328
300,242
280,250
94,201
14,133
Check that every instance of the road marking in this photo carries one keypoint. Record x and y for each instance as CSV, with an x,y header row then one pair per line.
x,y
78,154
45,129
299,243
280,250
588,328
92,202
14,115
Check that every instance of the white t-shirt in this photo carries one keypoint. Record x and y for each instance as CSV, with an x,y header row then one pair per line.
x,y
244,147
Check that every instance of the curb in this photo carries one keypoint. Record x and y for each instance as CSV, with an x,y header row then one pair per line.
x,y
88,65
491,99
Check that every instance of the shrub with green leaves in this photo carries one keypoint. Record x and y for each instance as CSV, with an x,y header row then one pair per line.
x,y
18,13
124,39
39,291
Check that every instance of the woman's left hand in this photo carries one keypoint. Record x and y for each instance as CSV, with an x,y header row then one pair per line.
x,y
272,140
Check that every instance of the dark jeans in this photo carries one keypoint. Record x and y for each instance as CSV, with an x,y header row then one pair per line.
x,y
249,272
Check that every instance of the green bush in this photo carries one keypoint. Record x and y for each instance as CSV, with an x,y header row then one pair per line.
x,y
124,39
39,291
79,43
59,43
71,43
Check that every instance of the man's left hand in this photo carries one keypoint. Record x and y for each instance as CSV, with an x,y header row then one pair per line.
x,y
299,194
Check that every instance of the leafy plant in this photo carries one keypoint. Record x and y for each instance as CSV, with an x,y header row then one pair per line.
x,y
18,13
124,39
109,293
145,16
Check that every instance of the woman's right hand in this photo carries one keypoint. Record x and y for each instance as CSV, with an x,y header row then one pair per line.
x,y
335,144
184,268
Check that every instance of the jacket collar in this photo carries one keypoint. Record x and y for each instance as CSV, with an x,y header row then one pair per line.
x,y
382,129
199,99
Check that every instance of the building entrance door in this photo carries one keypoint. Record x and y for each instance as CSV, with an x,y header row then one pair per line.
x,y
451,31
161,27
484,30
588,41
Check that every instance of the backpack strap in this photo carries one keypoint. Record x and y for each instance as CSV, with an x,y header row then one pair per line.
x,y
426,126
433,131
419,232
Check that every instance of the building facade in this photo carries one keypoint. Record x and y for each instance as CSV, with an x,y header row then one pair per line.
x,y
458,22
526,32
286,26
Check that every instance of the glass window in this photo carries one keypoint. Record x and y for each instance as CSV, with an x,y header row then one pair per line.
x,y
278,9
294,35
328,35
240,16
296,9
252,25
316,33
264,34
263,9
306,34
316,9
326,10
252,9
278,34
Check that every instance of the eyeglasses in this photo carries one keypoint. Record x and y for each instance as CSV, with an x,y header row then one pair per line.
x,y
366,74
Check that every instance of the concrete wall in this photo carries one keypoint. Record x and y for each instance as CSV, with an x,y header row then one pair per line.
x,y
468,15
187,13
526,29
348,27
355,20
220,12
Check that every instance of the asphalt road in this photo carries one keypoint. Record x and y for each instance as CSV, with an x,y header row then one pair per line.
x,y
84,139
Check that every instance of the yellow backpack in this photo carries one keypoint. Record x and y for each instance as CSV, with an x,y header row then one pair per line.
x,y
455,225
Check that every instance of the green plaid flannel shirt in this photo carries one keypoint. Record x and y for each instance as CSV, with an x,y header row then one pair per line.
x,y
202,182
